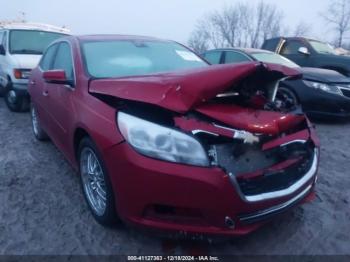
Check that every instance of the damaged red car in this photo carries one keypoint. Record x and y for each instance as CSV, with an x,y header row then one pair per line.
x,y
164,141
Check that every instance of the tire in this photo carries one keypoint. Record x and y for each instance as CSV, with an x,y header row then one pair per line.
x,y
2,90
15,102
288,96
95,183
38,132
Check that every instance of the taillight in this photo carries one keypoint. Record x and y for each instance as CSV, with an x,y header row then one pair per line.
x,y
21,73
17,73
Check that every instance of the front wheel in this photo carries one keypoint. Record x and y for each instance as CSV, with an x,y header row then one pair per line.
x,y
287,98
16,102
96,184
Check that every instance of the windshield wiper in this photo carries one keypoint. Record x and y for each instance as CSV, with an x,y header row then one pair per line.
x,y
27,51
326,52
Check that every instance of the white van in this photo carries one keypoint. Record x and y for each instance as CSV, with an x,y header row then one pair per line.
x,y
21,47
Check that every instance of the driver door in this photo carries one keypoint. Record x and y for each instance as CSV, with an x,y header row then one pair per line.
x,y
290,49
59,98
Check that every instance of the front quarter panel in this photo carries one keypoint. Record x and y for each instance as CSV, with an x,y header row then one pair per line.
x,y
97,119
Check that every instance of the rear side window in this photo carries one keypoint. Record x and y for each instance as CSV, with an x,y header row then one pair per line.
x,y
63,60
291,47
271,44
213,57
47,60
235,57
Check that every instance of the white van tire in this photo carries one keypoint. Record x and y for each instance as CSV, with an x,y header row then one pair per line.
x,y
15,102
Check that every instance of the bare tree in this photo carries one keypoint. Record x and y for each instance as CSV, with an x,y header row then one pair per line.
x,y
272,22
302,29
338,15
241,25
213,35
21,18
198,41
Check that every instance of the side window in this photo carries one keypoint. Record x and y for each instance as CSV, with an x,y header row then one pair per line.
x,y
235,57
4,40
213,57
63,60
47,59
1,35
291,47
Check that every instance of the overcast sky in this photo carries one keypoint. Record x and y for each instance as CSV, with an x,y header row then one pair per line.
x,y
171,19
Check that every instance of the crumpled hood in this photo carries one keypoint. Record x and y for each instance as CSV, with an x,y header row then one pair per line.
x,y
181,91
26,61
323,75
255,121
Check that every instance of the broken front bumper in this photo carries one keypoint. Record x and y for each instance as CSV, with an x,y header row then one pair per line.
x,y
158,195
294,187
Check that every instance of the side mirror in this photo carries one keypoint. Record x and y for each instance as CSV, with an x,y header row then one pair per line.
x,y
2,50
57,77
304,51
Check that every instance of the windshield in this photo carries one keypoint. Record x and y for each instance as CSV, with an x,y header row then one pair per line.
x,y
322,47
274,59
120,58
30,41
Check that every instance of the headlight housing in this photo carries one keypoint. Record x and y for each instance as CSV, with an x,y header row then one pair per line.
x,y
324,87
160,142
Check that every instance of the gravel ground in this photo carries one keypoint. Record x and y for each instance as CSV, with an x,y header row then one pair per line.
x,y
42,210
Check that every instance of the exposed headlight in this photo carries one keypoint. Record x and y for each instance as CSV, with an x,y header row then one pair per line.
x,y
324,87
21,73
160,142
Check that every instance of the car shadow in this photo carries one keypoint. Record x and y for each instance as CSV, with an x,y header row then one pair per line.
x,y
330,121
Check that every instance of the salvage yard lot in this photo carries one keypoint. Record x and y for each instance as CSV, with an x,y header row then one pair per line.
x,y
43,210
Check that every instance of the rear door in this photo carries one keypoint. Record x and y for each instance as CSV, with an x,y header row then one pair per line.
x,y
59,98
38,87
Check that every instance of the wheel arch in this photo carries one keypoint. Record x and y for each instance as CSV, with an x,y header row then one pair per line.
x,y
9,81
79,134
292,88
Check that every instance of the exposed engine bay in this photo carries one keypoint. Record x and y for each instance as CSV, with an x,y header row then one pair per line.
x,y
263,142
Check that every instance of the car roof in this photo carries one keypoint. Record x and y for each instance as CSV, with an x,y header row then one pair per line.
x,y
294,38
34,26
108,37
243,50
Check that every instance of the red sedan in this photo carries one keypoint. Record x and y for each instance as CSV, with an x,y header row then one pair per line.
x,y
162,140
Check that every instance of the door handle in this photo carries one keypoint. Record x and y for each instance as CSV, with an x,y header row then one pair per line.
x,y
32,82
45,93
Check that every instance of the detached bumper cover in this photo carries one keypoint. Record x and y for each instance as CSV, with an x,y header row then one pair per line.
x,y
288,191
267,213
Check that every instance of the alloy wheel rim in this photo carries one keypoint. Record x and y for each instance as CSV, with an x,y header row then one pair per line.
x,y
35,122
12,96
286,94
93,181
